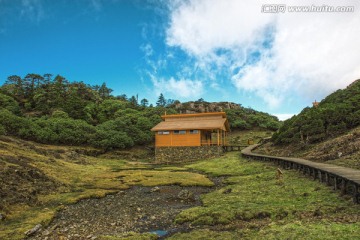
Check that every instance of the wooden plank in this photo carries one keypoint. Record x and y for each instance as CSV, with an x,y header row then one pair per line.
x,y
177,139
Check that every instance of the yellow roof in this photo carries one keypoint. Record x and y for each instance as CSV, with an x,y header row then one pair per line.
x,y
199,121
192,115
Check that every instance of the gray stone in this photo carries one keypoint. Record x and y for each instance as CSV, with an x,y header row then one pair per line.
x,y
46,233
33,230
186,195
155,189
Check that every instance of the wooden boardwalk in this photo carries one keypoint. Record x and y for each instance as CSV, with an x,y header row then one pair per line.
x,y
346,180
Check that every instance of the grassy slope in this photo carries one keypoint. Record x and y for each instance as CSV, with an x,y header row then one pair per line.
x,y
260,206
76,176
241,137
343,150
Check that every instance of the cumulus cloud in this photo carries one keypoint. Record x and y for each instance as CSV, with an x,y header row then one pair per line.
x,y
200,27
276,56
183,88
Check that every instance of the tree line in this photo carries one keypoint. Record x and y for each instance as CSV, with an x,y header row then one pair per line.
x,y
54,110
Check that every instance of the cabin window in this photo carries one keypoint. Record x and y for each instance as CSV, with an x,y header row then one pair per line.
x,y
163,132
179,131
194,131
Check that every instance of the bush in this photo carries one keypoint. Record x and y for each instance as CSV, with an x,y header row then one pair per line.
x,y
9,103
112,139
2,130
11,122
64,130
59,114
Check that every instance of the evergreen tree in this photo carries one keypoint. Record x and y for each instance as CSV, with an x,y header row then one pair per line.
x,y
144,102
133,101
104,91
161,102
17,86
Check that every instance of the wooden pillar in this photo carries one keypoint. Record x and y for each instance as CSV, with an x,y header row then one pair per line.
x,y
343,186
327,179
218,138
223,137
356,195
335,182
320,176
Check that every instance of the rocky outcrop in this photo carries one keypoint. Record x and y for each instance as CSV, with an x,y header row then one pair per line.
x,y
202,106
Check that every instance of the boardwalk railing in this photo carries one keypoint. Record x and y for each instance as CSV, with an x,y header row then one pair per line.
x,y
346,180
230,148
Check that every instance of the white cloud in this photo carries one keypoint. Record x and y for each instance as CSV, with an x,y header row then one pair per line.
x,y
276,56
199,27
283,116
181,88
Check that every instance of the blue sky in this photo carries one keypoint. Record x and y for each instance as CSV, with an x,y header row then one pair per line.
x,y
217,50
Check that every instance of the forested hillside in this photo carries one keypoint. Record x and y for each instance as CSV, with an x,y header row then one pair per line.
x,y
240,118
336,114
53,110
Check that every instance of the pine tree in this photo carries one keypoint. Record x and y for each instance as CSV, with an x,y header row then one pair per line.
x,y
144,102
161,102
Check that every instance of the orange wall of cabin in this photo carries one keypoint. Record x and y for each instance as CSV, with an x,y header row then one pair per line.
x,y
177,139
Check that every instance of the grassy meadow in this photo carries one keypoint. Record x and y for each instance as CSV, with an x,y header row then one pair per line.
x,y
250,204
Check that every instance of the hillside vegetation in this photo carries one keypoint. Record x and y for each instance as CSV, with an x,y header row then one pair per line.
x,y
328,133
335,115
55,111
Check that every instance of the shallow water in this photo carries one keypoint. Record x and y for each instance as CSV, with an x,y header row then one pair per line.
x,y
160,233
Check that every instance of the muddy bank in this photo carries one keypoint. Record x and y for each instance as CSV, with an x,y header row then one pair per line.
x,y
139,209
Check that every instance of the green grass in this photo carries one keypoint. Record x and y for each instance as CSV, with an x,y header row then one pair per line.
x,y
261,205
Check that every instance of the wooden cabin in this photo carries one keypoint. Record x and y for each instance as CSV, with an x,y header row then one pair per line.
x,y
199,129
